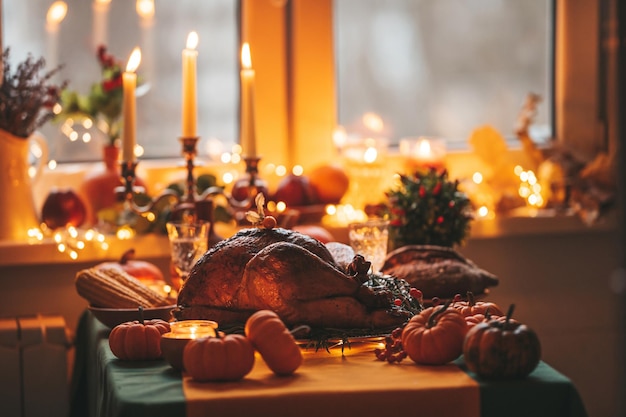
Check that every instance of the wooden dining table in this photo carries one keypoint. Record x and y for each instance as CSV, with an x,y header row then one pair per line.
x,y
333,382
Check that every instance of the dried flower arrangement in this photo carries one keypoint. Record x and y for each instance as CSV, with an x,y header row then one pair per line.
x,y
27,95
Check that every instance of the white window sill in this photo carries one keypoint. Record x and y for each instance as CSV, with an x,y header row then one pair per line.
x,y
163,172
157,246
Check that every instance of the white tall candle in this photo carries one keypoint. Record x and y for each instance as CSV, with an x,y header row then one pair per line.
x,y
54,17
146,11
129,82
100,22
189,108
247,123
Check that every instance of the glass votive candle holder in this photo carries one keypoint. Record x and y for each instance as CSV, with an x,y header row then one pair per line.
x,y
423,153
364,160
181,332
193,329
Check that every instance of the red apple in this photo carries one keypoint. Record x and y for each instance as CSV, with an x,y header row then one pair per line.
x,y
295,190
241,189
62,208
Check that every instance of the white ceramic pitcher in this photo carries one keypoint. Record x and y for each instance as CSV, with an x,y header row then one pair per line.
x,y
17,206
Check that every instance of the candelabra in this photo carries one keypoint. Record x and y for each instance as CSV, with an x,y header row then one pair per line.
x,y
193,205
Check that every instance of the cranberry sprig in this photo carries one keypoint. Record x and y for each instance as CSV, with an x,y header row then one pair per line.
x,y
393,351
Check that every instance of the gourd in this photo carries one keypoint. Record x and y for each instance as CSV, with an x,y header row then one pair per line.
x,y
138,340
435,336
472,307
142,270
227,358
277,346
502,349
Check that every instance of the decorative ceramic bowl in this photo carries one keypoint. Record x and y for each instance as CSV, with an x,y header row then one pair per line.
x,y
111,317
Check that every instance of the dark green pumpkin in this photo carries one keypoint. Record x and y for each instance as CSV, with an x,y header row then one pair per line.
x,y
502,349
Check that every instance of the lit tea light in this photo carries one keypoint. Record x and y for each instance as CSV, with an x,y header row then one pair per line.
x,y
193,329
423,153
365,150
181,332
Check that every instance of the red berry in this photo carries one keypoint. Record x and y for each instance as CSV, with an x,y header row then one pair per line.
x,y
397,333
415,293
397,302
269,222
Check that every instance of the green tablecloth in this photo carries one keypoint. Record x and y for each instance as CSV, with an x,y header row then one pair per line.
x,y
103,386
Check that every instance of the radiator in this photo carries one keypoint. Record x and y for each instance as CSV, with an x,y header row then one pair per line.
x,y
33,367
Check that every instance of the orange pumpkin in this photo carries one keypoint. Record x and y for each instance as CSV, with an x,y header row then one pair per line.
x,y
275,343
142,270
435,336
227,358
472,307
138,340
476,318
502,349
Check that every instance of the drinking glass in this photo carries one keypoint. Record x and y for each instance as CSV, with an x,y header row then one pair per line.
x,y
369,239
188,242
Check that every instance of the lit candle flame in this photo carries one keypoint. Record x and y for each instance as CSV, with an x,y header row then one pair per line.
x,y
144,8
246,60
134,60
373,122
192,40
56,13
424,148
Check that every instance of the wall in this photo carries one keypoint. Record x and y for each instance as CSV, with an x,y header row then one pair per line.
x,y
559,283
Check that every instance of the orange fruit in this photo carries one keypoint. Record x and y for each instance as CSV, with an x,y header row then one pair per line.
x,y
330,183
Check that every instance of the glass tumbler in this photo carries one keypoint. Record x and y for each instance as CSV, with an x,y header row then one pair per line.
x,y
369,239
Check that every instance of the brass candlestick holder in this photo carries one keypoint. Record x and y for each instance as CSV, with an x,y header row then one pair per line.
x,y
192,205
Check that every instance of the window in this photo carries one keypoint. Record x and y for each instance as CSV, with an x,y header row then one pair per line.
x,y
161,39
442,68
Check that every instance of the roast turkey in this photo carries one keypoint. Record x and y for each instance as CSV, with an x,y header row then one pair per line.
x,y
287,272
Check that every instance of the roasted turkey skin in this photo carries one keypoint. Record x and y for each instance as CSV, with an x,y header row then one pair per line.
x,y
287,272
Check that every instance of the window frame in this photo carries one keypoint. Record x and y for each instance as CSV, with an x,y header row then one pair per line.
x,y
579,122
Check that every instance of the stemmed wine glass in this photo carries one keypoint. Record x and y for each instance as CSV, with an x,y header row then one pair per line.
x,y
188,242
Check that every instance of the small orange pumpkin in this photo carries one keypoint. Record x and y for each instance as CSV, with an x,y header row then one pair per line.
x,y
138,340
472,307
435,336
502,349
275,343
142,270
227,358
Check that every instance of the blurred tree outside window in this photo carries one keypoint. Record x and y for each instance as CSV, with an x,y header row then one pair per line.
x,y
161,38
443,67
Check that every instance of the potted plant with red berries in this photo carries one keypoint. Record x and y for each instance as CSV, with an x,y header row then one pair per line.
x,y
428,209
